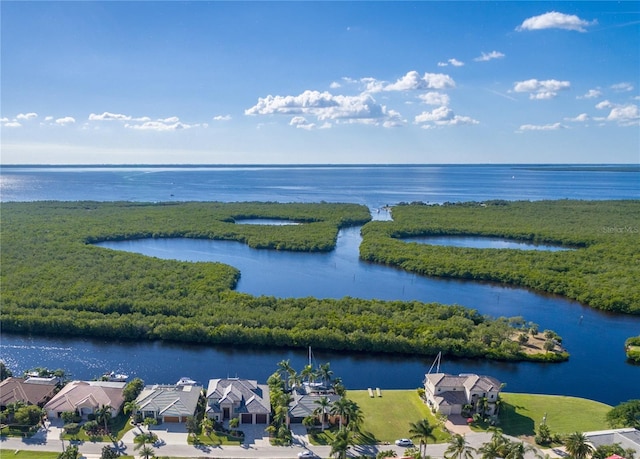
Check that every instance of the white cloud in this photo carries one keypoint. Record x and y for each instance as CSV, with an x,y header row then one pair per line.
x,y
171,119
622,87
222,118
555,20
27,116
65,120
581,118
537,89
413,81
325,106
12,124
442,116
335,85
591,94
434,98
484,57
625,115
106,116
604,104
48,118
160,126
544,127
453,61
4,120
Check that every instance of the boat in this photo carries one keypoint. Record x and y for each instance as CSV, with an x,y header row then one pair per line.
x,y
115,377
185,381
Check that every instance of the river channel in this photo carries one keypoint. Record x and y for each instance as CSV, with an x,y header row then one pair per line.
x,y
597,368
594,339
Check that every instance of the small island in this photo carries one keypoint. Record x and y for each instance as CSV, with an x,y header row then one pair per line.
x,y
56,282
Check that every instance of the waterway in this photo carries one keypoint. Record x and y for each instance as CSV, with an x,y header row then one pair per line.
x,y
597,368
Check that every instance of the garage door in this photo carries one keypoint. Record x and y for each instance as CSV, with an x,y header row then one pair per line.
x,y
171,419
261,418
247,418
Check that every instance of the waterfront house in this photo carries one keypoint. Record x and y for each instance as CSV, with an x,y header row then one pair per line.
x,y
627,437
31,391
303,405
238,398
85,397
169,403
448,394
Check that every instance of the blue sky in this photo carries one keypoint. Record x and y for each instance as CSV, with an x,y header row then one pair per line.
x,y
319,82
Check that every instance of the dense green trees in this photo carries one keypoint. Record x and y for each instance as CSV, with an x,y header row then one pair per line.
x,y
626,414
55,282
601,272
632,349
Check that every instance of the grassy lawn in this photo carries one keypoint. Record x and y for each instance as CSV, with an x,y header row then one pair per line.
x,y
118,426
387,418
215,439
22,454
521,413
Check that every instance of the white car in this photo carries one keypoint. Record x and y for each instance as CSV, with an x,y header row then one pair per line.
x,y
404,442
306,454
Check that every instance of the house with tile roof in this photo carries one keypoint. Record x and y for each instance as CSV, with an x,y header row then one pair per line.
x,y
169,403
85,397
303,405
448,394
31,391
238,398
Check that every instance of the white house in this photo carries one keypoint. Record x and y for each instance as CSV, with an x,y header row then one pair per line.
x,y
448,394
238,398
86,397
168,403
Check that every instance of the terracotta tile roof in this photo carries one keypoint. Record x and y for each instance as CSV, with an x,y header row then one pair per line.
x,y
14,390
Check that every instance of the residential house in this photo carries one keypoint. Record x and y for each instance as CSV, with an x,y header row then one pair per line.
x,y
169,403
627,438
85,397
304,404
448,394
31,391
238,398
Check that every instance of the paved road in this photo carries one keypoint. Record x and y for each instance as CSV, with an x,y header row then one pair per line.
x,y
173,442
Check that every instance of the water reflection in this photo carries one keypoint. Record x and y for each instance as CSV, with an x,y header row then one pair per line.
x,y
483,243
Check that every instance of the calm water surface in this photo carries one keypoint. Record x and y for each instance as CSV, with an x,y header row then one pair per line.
x,y
597,368
482,243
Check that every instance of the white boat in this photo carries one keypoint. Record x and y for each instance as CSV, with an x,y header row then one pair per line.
x,y
115,377
184,381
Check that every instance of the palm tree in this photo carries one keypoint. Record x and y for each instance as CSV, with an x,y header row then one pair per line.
x,y
131,407
207,425
341,408
147,452
517,450
577,446
323,404
286,368
340,445
423,431
103,414
459,448
307,373
325,373
496,447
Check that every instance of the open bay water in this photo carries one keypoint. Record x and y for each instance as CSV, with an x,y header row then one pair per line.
x,y
597,368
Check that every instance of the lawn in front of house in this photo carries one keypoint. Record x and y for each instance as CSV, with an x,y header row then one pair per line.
x,y
387,418
214,439
118,427
521,414
25,454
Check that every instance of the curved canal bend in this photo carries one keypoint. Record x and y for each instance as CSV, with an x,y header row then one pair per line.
x,y
597,368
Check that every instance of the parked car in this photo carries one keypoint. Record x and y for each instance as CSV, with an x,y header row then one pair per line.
x,y
404,442
306,454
